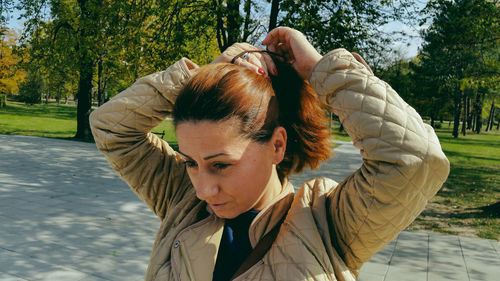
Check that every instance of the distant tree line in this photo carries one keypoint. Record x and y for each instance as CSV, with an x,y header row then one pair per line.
x,y
456,76
93,49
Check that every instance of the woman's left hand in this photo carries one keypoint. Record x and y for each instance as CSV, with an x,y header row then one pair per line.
x,y
259,62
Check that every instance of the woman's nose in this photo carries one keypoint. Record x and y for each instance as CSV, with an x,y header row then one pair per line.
x,y
206,186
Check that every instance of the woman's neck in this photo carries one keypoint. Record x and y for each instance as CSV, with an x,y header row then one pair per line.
x,y
273,189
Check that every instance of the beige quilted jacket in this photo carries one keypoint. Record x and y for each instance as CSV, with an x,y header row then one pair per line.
x,y
331,228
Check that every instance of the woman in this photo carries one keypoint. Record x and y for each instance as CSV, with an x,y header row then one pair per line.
x,y
240,135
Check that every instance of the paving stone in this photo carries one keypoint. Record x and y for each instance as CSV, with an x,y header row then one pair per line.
x,y
409,273
31,269
496,246
481,259
345,160
93,278
446,261
8,277
368,276
411,251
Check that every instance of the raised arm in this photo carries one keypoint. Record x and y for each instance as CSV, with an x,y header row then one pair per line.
x,y
121,129
403,164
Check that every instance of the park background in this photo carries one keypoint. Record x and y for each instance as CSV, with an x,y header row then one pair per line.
x,y
63,58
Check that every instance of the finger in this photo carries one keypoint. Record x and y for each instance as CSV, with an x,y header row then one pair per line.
x,y
254,68
252,63
362,61
270,38
259,63
271,67
275,36
263,64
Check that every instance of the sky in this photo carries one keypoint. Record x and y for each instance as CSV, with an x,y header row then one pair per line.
x,y
409,51
414,43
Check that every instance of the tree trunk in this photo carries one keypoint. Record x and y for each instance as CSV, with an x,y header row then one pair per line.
x,y
458,110
273,17
100,82
489,125
466,114
478,108
221,31
86,69
84,96
246,25
470,116
233,21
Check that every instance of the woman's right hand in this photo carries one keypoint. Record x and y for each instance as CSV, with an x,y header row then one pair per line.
x,y
294,46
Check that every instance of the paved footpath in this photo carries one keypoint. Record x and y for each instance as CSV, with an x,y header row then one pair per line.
x,y
66,216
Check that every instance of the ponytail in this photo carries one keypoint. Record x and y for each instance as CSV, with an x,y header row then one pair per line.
x,y
304,117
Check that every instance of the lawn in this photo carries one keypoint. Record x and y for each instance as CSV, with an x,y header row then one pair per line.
x,y
52,120
468,204
57,121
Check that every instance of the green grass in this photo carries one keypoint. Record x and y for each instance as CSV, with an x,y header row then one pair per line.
x,y
339,135
167,126
52,120
475,166
469,199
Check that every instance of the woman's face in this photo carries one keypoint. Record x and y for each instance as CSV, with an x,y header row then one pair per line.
x,y
231,173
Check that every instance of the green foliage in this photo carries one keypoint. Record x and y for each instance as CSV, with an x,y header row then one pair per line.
x,y
5,8
30,91
460,54
351,24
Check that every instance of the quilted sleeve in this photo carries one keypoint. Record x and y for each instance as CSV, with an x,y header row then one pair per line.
x,y
403,164
121,129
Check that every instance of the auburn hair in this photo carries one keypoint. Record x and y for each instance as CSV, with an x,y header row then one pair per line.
x,y
219,92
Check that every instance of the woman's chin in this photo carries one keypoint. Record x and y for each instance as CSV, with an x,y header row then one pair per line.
x,y
222,212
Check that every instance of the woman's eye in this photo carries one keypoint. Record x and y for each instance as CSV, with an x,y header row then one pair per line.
x,y
190,164
221,166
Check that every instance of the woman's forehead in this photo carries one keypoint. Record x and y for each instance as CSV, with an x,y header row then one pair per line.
x,y
202,139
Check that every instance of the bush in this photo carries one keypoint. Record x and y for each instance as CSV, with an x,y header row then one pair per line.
x,y
30,91
437,125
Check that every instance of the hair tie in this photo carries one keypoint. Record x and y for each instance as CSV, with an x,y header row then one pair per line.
x,y
244,55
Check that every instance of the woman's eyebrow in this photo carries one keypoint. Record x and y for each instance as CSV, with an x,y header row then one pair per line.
x,y
206,158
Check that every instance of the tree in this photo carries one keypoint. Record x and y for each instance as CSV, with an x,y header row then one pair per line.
x,y
97,39
460,48
30,91
10,73
232,26
5,7
351,24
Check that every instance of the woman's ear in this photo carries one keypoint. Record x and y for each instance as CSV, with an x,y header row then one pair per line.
x,y
278,141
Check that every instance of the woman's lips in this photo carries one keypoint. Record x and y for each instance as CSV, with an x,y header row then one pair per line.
x,y
216,206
